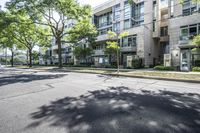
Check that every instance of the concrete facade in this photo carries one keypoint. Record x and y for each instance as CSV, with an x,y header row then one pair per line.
x,y
158,36
144,40
181,45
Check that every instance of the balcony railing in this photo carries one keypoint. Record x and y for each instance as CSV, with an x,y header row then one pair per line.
x,y
98,52
184,40
128,49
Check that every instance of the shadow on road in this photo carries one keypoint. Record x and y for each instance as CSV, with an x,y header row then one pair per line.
x,y
24,78
119,110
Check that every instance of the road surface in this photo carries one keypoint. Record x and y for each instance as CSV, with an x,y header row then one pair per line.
x,y
65,102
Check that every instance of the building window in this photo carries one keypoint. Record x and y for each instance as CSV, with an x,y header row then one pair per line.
x,y
164,31
154,10
138,14
105,20
165,48
110,18
172,8
99,47
126,24
102,21
192,31
117,12
188,32
125,42
127,10
189,7
154,25
129,41
116,27
184,31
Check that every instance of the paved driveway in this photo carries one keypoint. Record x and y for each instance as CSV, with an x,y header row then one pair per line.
x,y
52,102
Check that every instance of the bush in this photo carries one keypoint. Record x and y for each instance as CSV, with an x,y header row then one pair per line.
x,y
196,69
137,63
110,66
163,68
197,63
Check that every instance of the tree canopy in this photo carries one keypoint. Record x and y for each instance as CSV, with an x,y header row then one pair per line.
x,y
53,14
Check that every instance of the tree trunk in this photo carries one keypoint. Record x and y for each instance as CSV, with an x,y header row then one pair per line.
x,y
12,58
30,57
58,41
6,56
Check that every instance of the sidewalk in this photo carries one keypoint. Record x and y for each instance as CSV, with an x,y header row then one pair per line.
x,y
192,77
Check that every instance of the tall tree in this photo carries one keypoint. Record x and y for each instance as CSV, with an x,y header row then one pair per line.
x,y
28,34
196,42
6,36
52,13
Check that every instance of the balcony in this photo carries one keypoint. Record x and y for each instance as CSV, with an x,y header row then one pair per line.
x,y
185,40
104,25
164,38
102,37
128,49
98,52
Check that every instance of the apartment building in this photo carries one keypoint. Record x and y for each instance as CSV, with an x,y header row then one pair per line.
x,y
160,31
120,16
184,24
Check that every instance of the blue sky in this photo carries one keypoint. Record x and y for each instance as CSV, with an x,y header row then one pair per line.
x,y
93,3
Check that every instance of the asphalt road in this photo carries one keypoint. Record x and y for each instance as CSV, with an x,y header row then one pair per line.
x,y
55,102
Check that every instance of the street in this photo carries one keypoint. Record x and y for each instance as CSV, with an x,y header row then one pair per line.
x,y
33,101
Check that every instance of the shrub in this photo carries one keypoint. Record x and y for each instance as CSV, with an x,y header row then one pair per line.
x,y
163,68
110,66
196,69
197,63
137,63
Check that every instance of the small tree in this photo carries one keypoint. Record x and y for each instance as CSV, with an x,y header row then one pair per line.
x,y
83,33
196,42
82,52
113,46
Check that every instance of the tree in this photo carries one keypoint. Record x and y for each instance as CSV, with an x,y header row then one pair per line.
x,y
52,13
6,37
83,30
196,42
35,55
28,34
82,52
83,33
113,45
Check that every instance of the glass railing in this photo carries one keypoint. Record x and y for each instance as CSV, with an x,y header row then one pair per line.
x,y
185,39
104,24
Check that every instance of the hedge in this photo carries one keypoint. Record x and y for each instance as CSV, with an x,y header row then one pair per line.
x,y
163,68
196,69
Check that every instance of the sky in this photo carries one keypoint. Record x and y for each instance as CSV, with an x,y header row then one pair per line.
x,y
93,3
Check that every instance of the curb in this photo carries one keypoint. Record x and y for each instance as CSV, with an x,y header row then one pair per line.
x,y
124,75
